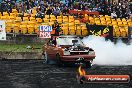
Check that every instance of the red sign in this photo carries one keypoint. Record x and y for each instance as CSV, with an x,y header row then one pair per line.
x,y
105,78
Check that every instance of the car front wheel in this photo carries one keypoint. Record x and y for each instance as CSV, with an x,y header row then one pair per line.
x,y
88,64
45,57
58,59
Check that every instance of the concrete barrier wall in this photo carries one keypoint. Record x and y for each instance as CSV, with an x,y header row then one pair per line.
x,y
22,39
20,55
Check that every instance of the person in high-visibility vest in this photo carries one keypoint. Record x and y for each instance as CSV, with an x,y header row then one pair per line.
x,y
55,29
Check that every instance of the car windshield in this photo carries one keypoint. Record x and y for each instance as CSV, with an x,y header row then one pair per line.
x,y
68,41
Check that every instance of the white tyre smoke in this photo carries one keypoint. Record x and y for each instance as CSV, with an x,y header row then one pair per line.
x,y
108,53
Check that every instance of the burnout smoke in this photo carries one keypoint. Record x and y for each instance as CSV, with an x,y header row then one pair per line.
x,y
108,53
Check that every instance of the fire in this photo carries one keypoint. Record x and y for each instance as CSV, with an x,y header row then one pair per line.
x,y
81,71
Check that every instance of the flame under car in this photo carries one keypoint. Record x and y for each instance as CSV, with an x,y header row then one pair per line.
x,y
65,49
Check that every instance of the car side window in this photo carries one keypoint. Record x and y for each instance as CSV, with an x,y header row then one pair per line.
x,y
54,42
50,42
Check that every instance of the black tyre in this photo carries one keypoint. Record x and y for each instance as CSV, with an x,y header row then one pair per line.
x,y
45,58
58,60
88,64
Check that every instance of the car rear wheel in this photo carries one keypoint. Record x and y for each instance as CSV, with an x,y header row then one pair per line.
x,y
45,57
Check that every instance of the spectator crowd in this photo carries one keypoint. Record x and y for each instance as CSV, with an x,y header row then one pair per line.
x,y
122,9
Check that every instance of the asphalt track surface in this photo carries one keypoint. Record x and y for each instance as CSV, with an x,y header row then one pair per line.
x,y
36,74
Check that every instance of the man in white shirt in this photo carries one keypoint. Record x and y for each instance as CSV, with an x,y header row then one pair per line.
x,y
113,14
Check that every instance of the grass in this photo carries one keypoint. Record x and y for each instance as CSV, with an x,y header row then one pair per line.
x,y
20,48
